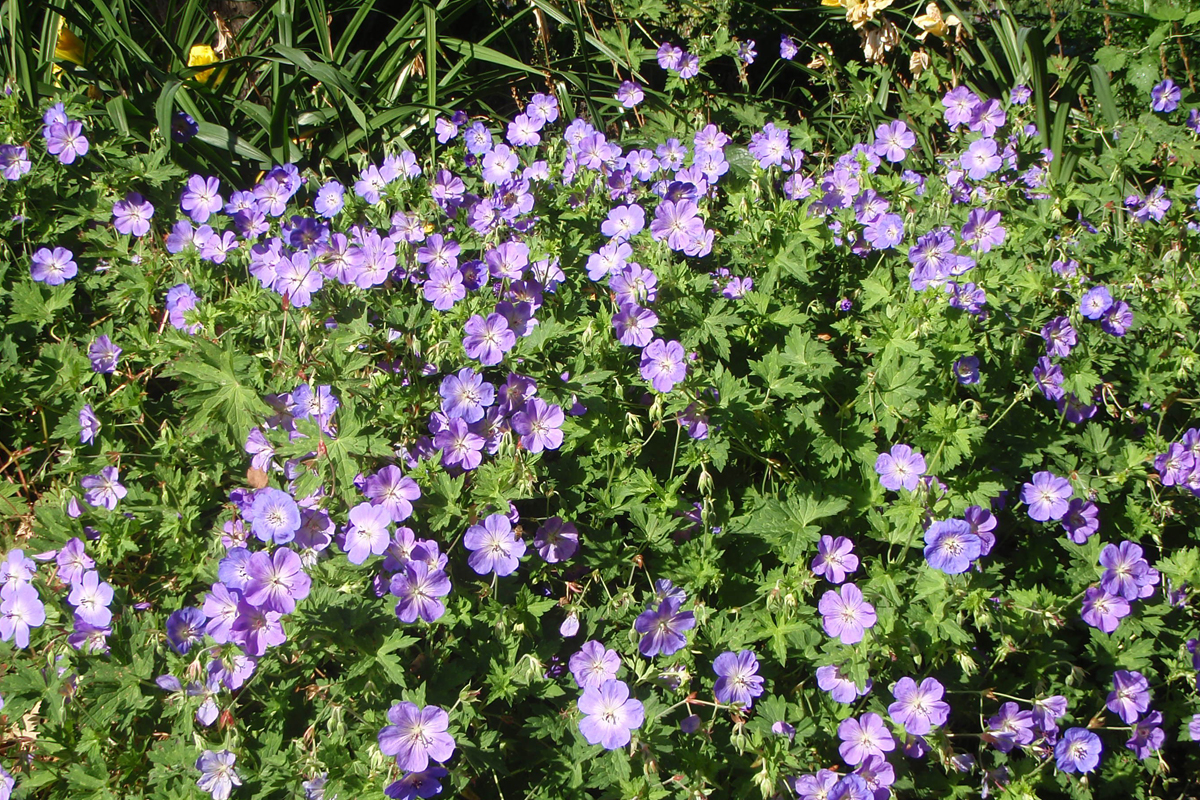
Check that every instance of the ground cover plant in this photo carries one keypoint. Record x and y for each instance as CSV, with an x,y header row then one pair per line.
x,y
671,458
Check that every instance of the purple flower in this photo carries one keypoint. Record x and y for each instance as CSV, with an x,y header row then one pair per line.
x,y
1147,736
624,222
662,628
966,370
863,737
180,300
987,117
1019,95
14,162
493,546
817,787
951,546
981,159
330,199
746,52
539,425
20,610
66,140
1059,336
1082,520
594,664
846,615
960,103
893,140
1118,319
424,784
508,260
556,541
1078,751
634,325
498,164
633,285
663,364
738,681
104,489
202,198
465,395
1130,695
919,708
368,533
73,561
393,492
1047,496
629,94
419,586
1103,610
609,714
221,608
444,287
416,736
983,230
1165,96
1095,302
217,775
53,267
1175,465
277,581
185,628
677,222
885,231
89,424
486,341
834,559
460,446
274,516
787,47
901,467
91,598
841,687
132,215
256,629
1049,378
1125,570
523,131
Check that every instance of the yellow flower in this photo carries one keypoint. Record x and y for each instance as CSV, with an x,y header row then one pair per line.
x,y
860,12
68,46
200,55
933,22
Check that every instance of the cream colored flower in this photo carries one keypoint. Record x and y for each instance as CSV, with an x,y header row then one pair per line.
x,y
877,41
918,62
933,22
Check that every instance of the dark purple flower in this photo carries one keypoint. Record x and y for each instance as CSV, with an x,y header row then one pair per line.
x,y
919,708
185,628
1082,520
1165,96
1049,378
1047,496
966,370
1011,727
416,736
738,681
53,267
461,447
662,628
901,467
1078,751
863,737
1147,736
256,629
1060,337
1130,695
846,615
835,558
556,541
423,784
609,714
1117,320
